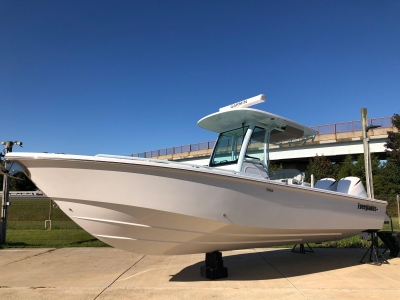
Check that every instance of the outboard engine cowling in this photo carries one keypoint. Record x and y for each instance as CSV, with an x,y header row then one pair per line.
x,y
329,184
352,186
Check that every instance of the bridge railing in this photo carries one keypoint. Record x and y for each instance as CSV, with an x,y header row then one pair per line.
x,y
177,150
350,126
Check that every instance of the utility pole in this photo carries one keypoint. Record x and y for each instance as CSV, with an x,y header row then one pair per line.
x,y
369,181
367,153
6,186
367,159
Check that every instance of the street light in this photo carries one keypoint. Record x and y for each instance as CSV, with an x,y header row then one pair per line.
x,y
9,145
372,127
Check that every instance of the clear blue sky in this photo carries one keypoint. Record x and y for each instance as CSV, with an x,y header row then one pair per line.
x,y
121,77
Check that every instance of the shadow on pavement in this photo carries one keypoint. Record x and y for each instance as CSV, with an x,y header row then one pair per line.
x,y
279,263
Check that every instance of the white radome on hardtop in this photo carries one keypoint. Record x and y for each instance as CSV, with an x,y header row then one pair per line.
x,y
245,103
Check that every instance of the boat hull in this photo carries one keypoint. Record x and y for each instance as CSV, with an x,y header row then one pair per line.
x,y
162,208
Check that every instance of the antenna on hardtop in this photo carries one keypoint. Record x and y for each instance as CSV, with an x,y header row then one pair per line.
x,y
245,103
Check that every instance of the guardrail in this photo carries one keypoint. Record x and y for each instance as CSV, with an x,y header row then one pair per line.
x,y
385,122
25,193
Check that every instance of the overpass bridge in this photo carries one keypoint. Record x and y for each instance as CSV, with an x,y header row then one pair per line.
x,y
334,141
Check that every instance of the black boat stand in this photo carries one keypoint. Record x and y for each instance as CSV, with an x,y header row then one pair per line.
x,y
374,254
214,268
392,241
302,250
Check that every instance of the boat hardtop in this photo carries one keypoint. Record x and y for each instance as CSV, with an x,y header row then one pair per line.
x,y
246,133
281,128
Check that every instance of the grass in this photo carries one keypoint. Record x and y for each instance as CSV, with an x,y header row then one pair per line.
x,y
39,225
26,229
51,239
34,210
357,242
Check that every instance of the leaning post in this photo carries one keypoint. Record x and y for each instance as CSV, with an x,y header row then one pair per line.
x,y
366,151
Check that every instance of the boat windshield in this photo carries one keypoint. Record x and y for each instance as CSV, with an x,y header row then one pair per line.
x,y
228,147
255,149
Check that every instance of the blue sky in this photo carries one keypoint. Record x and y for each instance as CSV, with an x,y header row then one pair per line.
x,y
121,77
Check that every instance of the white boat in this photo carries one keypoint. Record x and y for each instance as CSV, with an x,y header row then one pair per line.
x,y
163,207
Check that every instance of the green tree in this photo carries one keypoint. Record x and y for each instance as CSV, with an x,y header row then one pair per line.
x,y
359,168
389,185
392,168
393,143
388,181
346,167
321,167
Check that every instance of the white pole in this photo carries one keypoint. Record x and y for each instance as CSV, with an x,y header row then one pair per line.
x,y
312,180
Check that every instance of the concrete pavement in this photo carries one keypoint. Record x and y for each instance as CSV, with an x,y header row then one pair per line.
x,y
107,273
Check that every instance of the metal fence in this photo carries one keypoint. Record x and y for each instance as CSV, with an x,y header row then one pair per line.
x,y
350,126
176,150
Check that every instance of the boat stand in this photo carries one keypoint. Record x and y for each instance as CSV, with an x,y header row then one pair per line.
x,y
214,268
302,249
374,254
392,241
